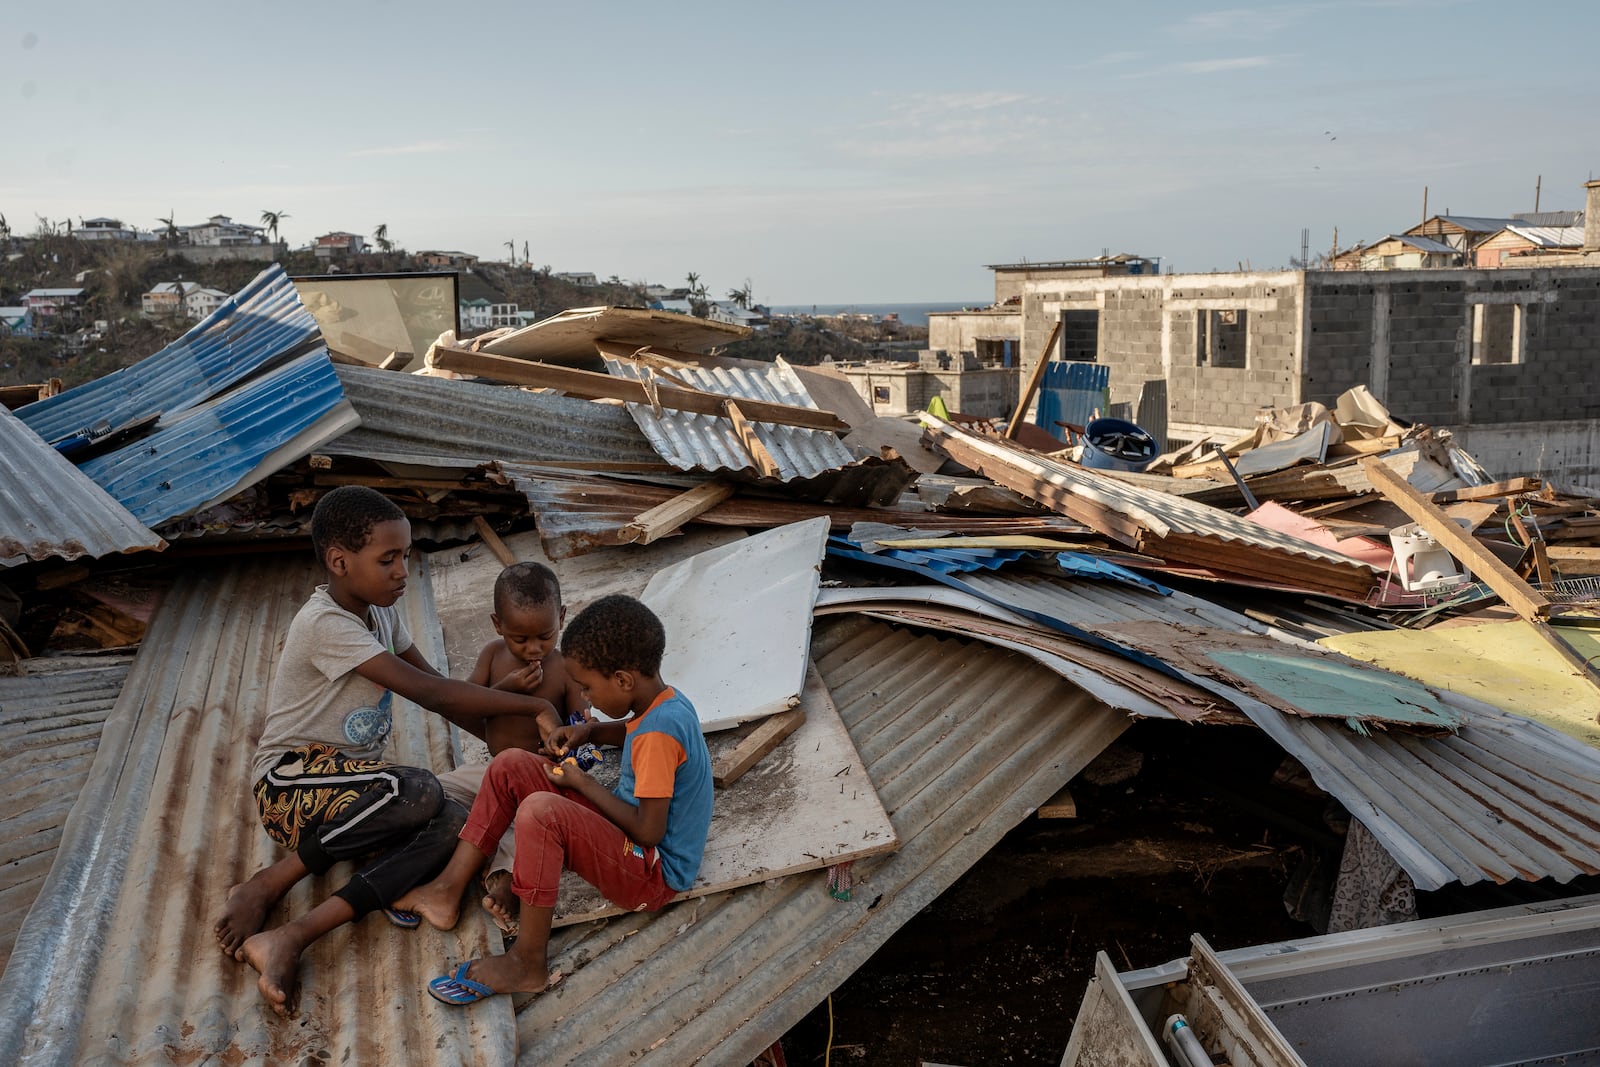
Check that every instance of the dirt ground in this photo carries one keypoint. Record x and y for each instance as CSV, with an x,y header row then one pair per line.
x,y
993,971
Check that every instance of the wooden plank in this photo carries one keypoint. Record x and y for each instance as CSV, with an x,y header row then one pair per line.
x,y
668,518
1511,487
1541,564
1528,603
767,735
1033,383
1364,446
492,539
1574,561
747,437
589,385
1060,806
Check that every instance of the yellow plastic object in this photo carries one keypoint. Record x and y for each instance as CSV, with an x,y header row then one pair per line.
x,y
1501,663
936,408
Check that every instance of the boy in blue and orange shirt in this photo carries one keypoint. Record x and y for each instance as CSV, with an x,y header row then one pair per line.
x,y
640,845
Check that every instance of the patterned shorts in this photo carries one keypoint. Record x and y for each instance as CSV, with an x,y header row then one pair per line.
x,y
310,786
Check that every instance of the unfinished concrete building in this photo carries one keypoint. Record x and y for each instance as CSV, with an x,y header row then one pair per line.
x,y
1506,358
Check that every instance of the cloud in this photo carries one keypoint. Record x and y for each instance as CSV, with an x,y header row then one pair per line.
x,y
416,148
1222,66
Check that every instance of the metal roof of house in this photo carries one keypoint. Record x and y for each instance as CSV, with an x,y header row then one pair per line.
x,y
51,293
50,724
421,414
1548,218
49,508
1550,236
210,452
1470,223
1421,244
123,966
691,441
262,325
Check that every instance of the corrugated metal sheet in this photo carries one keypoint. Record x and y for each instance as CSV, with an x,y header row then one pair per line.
x,y
214,450
1072,391
50,508
422,415
1161,513
122,967
1551,236
690,441
717,980
259,326
50,722
1503,798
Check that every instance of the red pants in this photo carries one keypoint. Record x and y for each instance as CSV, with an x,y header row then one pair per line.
x,y
558,828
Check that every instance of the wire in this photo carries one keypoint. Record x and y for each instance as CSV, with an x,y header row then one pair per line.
x,y
827,1052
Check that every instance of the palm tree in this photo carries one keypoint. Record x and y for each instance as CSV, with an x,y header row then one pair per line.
x,y
694,283
741,296
526,261
511,246
380,237
270,220
172,227
5,230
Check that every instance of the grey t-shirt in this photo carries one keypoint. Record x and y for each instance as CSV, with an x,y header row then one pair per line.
x,y
316,694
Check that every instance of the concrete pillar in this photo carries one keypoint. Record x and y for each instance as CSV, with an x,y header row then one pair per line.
x,y
1591,217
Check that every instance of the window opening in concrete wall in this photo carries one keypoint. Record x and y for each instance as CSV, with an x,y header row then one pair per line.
x,y
880,394
1080,336
992,352
1498,334
1221,337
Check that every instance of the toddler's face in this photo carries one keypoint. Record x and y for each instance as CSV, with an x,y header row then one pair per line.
x,y
529,632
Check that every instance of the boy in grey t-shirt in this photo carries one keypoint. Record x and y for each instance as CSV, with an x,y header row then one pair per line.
x,y
322,790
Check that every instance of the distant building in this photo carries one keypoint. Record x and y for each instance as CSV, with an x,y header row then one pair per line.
x,y
169,300
900,388
45,304
577,277
1011,278
662,292
1460,232
729,312
988,335
338,243
458,260
103,229
1407,252
680,305
481,314
15,322
1506,247
199,302
219,231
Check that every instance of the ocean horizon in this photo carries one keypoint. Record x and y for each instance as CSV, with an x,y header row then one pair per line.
x,y
912,314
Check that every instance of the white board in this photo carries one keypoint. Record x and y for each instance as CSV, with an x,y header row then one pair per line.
x,y
738,621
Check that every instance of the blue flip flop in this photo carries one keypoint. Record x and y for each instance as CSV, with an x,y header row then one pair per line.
x,y
405,920
458,989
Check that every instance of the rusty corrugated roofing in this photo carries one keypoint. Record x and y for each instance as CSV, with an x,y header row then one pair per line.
x,y
123,967
48,508
50,723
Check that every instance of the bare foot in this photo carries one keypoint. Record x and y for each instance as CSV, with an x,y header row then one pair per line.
x,y
499,901
276,954
244,914
435,902
511,973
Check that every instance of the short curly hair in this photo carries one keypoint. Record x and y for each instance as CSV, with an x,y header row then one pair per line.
x,y
526,585
345,517
616,633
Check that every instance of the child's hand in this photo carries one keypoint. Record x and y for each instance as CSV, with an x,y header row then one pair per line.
x,y
564,739
525,680
567,774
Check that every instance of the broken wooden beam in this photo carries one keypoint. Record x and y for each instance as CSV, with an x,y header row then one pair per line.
x,y
752,444
1033,383
669,517
492,539
589,385
762,740
1510,487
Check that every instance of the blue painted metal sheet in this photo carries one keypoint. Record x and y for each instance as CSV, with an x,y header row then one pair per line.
x,y
1072,392
1085,565
220,447
262,325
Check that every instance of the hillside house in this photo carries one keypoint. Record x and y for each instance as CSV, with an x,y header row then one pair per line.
x,y
338,244
45,304
15,322
577,277
448,260
219,231
167,300
480,314
104,229
200,302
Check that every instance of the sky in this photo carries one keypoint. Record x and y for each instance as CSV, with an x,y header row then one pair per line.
x,y
868,152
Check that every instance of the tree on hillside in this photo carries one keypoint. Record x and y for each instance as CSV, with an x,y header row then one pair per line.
x,y
695,288
270,220
380,237
741,296
526,260
511,248
5,230
172,227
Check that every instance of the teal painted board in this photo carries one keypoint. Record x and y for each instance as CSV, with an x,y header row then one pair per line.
x,y
1334,689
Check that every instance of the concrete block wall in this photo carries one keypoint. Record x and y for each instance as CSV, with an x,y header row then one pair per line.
x,y
1230,396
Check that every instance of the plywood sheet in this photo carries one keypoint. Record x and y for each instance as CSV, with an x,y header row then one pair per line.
x,y
570,336
809,804
738,622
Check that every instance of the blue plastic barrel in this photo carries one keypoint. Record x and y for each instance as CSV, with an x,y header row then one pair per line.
x,y
1117,445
